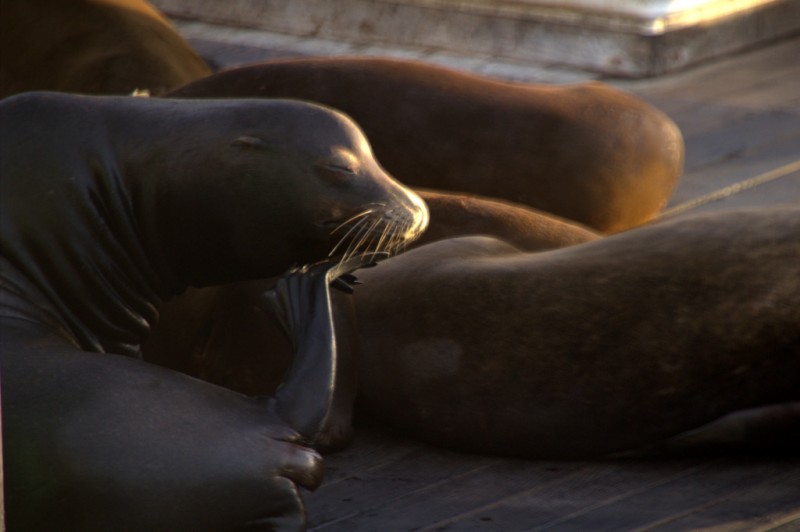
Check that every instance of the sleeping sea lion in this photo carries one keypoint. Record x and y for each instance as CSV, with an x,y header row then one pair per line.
x,y
592,349
111,206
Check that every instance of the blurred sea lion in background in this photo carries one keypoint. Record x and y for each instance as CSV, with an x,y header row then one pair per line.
x,y
92,47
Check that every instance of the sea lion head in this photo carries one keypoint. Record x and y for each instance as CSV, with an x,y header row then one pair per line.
x,y
252,187
138,198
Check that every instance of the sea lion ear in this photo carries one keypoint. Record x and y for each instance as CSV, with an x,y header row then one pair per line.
x,y
249,143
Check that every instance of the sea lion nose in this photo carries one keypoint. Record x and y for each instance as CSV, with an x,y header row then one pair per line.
x,y
416,217
421,213
411,212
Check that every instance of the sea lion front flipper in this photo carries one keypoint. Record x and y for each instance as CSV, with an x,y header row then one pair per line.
x,y
317,394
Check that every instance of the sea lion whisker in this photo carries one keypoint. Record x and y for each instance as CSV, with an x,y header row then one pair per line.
x,y
373,246
381,242
354,229
364,228
373,231
387,231
370,234
352,219
402,241
398,238
395,238
357,238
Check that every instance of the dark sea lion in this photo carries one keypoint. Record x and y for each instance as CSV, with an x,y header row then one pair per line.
x,y
218,333
586,152
112,205
592,349
92,47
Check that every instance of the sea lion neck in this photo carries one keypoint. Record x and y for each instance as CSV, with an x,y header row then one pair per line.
x,y
178,180
77,254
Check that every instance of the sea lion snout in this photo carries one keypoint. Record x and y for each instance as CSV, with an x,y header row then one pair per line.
x,y
416,216
382,227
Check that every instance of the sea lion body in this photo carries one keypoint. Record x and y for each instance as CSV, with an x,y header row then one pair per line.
x,y
587,152
592,349
92,47
109,207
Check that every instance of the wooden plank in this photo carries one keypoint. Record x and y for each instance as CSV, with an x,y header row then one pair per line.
x,y
792,524
774,92
763,506
370,449
738,138
783,191
360,493
441,501
710,178
678,497
590,487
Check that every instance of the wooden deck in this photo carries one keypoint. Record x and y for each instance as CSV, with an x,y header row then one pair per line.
x,y
741,119
384,482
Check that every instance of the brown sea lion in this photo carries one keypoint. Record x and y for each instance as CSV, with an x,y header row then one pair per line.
x,y
587,350
112,205
92,47
586,152
219,334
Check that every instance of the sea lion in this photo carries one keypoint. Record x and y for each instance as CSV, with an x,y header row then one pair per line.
x,y
111,205
92,47
587,350
587,152
218,333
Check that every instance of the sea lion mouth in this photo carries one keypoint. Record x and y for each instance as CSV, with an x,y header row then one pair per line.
x,y
377,231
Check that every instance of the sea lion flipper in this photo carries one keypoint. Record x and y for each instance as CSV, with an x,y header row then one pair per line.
x,y
273,302
316,395
301,303
286,304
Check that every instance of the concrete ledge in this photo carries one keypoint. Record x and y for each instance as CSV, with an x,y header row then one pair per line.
x,y
631,38
228,47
